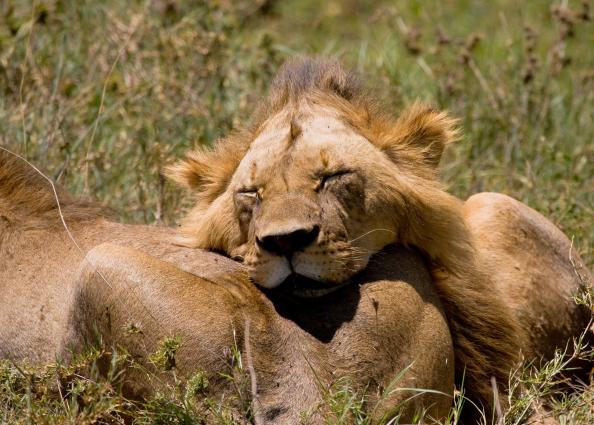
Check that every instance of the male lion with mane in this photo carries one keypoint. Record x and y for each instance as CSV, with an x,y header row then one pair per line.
x,y
325,178
364,267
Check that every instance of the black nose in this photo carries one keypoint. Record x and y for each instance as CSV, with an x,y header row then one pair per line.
x,y
288,243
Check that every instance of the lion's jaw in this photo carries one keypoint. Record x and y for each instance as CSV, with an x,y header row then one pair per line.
x,y
307,200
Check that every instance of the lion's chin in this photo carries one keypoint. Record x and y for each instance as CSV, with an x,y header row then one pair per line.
x,y
304,287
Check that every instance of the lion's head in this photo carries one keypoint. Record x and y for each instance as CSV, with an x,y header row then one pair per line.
x,y
322,180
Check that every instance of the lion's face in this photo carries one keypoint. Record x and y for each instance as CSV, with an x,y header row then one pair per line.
x,y
307,199
321,182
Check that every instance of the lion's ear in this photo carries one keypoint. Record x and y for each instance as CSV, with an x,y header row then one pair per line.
x,y
209,171
195,171
420,134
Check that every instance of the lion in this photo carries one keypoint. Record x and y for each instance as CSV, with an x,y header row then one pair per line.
x,y
324,179
321,247
68,273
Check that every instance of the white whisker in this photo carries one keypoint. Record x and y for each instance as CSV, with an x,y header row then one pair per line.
x,y
371,231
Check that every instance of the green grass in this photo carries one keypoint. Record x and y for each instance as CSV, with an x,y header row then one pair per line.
x,y
103,94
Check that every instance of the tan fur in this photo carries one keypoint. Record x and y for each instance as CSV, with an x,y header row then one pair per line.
x,y
400,201
502,272
56,298
26,197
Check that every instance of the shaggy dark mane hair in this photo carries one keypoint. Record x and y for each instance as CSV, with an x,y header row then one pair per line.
x,y
301,76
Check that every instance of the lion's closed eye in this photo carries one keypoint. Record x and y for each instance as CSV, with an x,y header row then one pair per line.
x,y
247,196
245,201
335,178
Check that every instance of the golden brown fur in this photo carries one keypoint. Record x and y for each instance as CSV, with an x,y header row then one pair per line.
x,y
56,297
501,270
414,142
266,161
27,197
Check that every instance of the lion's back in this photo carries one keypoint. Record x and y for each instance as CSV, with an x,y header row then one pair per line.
x,y
534,269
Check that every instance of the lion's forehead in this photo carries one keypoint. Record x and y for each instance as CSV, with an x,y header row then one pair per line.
x,y
320,132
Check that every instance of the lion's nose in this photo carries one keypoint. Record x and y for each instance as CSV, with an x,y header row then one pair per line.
x,y
286,243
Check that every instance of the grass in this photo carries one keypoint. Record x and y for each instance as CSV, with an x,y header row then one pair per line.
x,y
89,391
103,94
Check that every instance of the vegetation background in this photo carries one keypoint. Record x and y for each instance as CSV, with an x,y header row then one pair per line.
x,y
102,94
